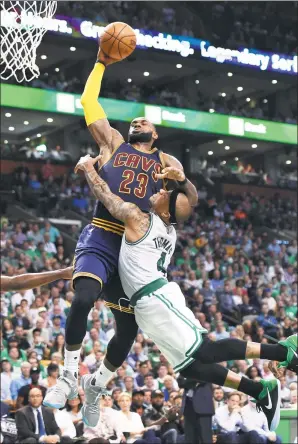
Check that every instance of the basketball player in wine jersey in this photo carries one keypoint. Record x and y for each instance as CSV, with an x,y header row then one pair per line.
x,y
131,169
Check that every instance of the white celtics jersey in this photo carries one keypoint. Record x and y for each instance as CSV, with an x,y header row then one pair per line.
x,y
146,260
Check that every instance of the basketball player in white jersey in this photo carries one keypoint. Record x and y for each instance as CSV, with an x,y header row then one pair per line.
x,y
147,246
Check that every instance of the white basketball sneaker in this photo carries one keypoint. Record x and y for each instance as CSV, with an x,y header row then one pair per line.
x,y
90,410
66,388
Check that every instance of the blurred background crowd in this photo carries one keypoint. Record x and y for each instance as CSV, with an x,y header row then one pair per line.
x,y
237,282
232,24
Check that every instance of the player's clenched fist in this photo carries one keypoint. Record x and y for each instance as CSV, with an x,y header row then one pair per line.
x,y
87,162
172,173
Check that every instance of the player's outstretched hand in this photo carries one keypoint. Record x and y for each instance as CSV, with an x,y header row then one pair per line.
x,y
171,173
87,163
105,59
67,273
277,372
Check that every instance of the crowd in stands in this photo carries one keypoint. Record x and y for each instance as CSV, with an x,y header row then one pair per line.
x,y
46,195
265,26
238,283
173,96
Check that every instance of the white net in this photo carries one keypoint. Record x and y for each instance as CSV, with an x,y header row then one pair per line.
x,y
23,25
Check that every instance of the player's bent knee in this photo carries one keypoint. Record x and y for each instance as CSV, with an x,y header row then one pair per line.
x,y
87,291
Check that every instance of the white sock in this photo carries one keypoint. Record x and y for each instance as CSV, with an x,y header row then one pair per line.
x,y
103,375
71,361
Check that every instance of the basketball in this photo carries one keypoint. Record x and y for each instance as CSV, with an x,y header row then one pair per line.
x,y
118,40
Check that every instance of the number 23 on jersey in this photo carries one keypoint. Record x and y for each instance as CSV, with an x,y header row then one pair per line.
x,y
129,176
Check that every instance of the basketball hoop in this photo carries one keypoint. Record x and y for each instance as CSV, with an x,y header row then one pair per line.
x,y
23,25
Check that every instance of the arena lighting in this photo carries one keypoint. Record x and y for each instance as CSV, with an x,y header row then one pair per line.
x,y
220,142
57,69
129,80
230,74
27,139
38,135
223,94
5,141
265,101
254,145
288,162
146,73
274,82
248,99
210,153
72,48
227,147
178,65
26,122
50,120
223,162
236,158
43,57
197,82
239,88
7,115
11,128
211,110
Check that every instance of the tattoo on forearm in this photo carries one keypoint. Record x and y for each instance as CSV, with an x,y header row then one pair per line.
x,y
101,190
115,205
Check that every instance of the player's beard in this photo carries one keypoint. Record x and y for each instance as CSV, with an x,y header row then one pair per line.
x,y
140,137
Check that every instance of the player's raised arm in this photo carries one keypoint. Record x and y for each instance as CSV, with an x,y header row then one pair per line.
x,y
107,138
32,280
174,171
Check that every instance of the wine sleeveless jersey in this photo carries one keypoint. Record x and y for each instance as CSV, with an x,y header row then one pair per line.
x,y
131,175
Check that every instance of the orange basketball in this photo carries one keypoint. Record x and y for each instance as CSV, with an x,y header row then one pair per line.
x,y
118,40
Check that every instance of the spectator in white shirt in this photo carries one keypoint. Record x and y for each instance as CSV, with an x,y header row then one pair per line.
x,y
229,420
65,423
40,323
242,366
285,391
255,424
23,294
209,264
129,422
266,373
293,400
269,299
108,427
49,246
290,377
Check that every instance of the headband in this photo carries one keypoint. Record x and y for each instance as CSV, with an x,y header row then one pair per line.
x,y
172,205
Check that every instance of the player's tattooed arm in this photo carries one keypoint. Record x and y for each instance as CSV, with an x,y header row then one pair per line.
x,y
136,222
174,170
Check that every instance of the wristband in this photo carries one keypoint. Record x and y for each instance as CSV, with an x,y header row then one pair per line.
x,y
182,182
99,61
